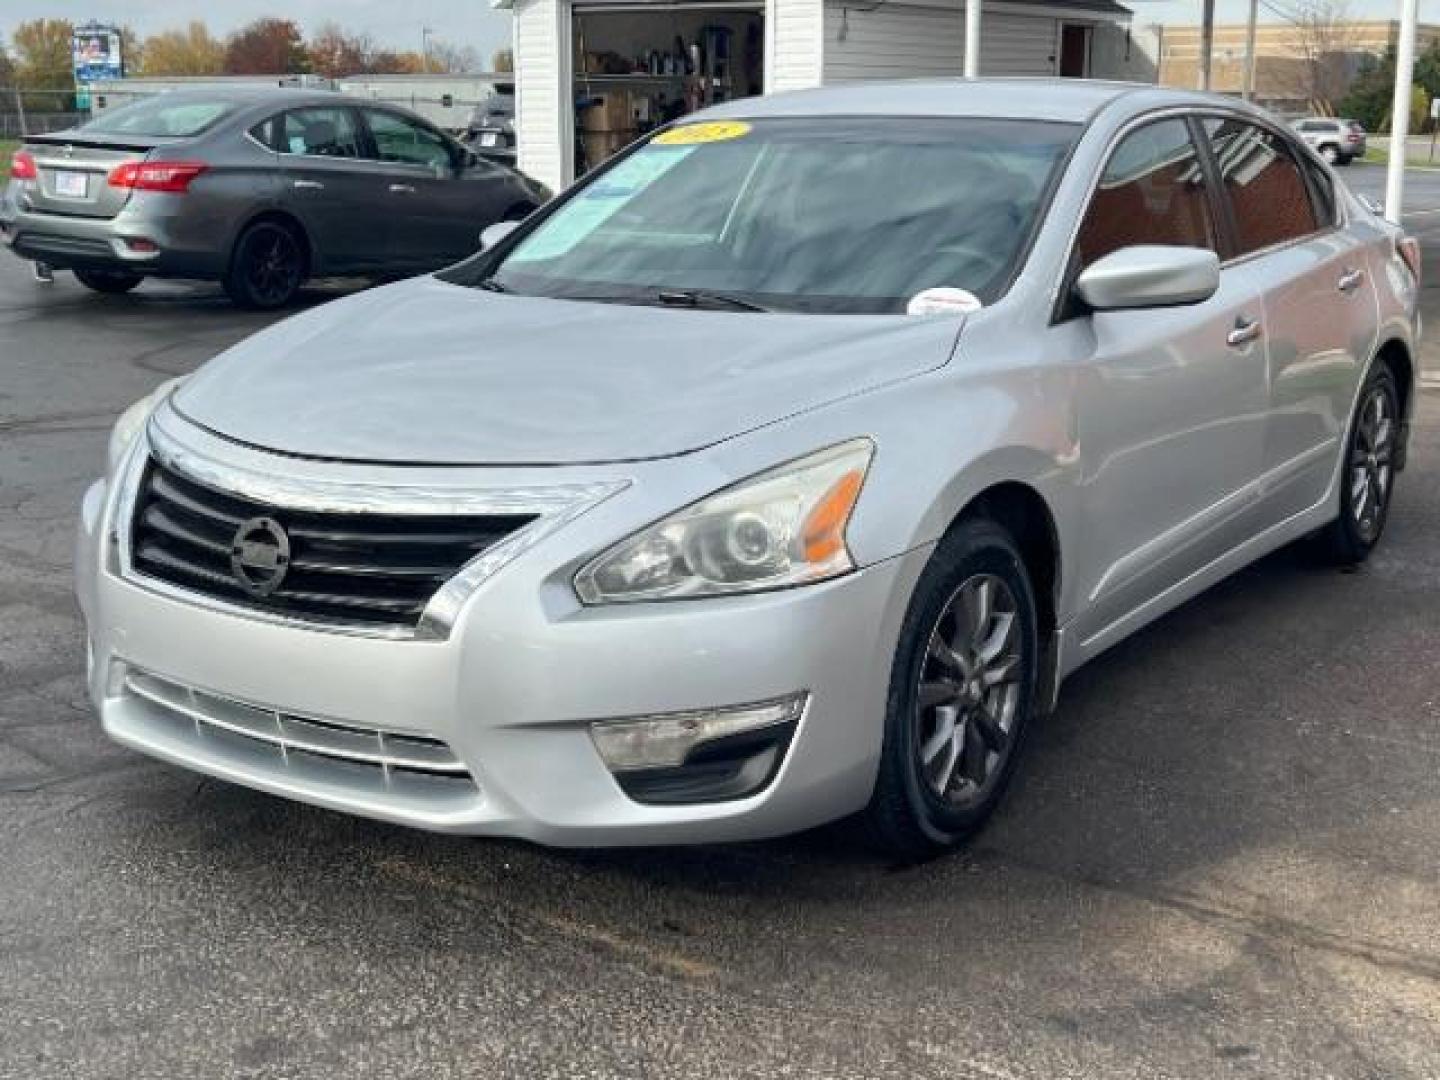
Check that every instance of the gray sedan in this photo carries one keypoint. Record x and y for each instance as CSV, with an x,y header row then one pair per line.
x,y
258,189
780,471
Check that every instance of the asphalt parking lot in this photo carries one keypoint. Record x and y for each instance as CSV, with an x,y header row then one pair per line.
x,y
1222,859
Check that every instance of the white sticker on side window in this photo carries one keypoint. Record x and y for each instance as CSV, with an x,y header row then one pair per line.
x,y
592,207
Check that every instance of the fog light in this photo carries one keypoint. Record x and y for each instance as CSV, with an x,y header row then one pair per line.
x,y
701,756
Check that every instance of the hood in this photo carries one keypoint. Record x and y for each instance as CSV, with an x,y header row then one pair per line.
x,y
430,373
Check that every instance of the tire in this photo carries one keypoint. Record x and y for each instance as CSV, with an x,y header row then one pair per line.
x,y
1330,153
1344,159
267,267
1367,473
908,816
110,282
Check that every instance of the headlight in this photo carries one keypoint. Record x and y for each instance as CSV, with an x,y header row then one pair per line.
x,y
783,527
132,422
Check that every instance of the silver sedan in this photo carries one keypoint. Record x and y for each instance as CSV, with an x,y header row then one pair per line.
x,y
780,471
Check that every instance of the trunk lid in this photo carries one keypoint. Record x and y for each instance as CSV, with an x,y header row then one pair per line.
x,y
74,169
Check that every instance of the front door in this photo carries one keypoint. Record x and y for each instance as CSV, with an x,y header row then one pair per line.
x,y
436,201
1170,402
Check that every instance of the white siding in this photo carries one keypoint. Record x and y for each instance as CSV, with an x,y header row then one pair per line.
x,y
1017,44
894,41
541,101
902,41
795,40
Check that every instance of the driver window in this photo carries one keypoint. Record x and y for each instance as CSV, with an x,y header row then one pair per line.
x,y
399,140
1152,192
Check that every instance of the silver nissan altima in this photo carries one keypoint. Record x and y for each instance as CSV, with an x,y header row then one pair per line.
x,y
780,471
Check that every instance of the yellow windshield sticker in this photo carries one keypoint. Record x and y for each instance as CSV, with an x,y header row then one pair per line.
x,y
713,131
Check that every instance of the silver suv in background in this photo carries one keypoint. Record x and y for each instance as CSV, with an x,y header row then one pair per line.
x,y
258,189
1337,140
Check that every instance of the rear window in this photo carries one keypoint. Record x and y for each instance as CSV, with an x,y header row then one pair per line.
x,y
160,116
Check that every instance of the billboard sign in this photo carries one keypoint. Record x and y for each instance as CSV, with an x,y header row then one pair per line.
x,y
97,53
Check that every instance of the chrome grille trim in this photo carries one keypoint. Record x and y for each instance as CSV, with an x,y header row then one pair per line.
x,y
387,752
172,440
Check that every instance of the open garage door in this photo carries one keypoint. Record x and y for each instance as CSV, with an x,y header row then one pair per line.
x,y
638,66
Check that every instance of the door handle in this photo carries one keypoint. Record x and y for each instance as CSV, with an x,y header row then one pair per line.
x,y
1246,330
308,185
402,189
1350,280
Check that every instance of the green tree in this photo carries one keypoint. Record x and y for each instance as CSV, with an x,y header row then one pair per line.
x,y
44,65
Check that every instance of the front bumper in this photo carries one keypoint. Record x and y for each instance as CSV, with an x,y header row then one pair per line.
x,y
512,690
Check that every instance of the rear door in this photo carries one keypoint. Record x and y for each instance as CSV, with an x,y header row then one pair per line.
x,y
436,199
1320,312
329,185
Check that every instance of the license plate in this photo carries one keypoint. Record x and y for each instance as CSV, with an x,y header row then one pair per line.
x,y
71,185
490,138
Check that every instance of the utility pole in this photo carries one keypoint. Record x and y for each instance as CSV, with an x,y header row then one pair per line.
x,y
1207,42
1248,90
972,38
1400,112
425,33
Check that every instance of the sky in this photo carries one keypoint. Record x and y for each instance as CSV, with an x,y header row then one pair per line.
x,y
397,23
392,23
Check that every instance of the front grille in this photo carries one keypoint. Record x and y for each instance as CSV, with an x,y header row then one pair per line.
x,y
360,759
358,568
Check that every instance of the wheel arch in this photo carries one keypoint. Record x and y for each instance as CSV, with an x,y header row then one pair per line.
x,y
1395,354
280,217
1019,507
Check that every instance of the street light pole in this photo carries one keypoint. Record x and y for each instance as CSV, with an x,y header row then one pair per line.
x,y
425,33
972,38
1248,91
1400,112
1207,42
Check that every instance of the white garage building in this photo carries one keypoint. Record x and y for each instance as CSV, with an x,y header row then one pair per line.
x,y
590,75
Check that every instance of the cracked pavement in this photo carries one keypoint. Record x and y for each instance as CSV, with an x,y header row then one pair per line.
x,y
1221,858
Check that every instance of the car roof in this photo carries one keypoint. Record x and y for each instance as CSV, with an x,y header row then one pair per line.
x,y
1066,100
258,96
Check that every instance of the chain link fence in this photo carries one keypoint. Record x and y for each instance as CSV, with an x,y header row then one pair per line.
x,y
35,112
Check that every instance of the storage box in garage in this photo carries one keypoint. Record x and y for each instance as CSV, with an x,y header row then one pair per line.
x,y
612,111
600,145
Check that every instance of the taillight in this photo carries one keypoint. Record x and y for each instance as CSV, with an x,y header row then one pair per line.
x,y
1352,137
172,176
22,165
1409,249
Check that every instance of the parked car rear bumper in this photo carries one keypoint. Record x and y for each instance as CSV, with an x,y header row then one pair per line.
x,y
142,238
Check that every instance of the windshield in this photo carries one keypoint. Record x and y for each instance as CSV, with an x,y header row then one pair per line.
x,y
159,116
843,215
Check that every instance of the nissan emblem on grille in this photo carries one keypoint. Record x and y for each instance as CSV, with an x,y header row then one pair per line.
x,y
260,555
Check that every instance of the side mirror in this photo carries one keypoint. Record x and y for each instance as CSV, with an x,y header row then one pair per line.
x,y
1150,275
493,234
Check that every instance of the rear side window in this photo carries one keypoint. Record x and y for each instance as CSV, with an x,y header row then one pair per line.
x,y
1264,183
1152,192
319,132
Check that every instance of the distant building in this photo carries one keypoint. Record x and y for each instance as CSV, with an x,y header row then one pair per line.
x,y
1284,79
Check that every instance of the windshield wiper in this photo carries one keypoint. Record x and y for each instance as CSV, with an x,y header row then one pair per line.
x,y
702,298
489,284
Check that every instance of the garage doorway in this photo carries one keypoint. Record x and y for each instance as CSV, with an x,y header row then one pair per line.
x,y
639,66
1074,50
